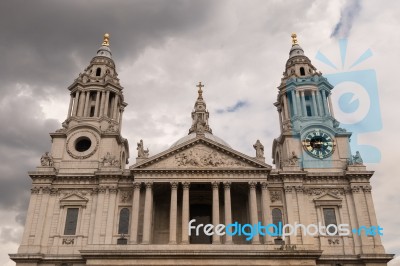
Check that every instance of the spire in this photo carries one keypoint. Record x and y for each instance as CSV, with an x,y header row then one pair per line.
x,y
200,114
104,49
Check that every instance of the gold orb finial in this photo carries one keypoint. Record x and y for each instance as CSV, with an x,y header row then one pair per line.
x,y
294,39
106,40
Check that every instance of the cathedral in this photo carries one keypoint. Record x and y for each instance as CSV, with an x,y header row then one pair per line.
x,y
200,202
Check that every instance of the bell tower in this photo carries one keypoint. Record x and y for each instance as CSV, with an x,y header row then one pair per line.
x,y
310,135
90,137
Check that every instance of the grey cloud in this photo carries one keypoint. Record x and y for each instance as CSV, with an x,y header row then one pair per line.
x,y
230,109
347,16
47,42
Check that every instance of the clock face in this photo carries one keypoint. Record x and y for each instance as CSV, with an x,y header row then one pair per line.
x,y
318,144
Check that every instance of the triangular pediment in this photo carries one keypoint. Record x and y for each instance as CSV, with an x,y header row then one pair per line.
x,y
73,200
328,199
200,153
328,196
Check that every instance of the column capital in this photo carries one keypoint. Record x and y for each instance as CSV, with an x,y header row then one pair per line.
x,y
112,189
227,185
185,185
264,185
288,189
174,185
252,185
149,185
215,184
137,185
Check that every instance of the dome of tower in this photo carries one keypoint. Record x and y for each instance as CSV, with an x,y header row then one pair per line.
x,y
296,50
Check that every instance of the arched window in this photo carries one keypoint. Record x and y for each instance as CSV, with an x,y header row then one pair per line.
x,y
277,217
302,72
98,72
123,221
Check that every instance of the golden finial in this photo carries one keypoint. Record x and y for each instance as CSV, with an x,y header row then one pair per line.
x,y
294,39
200,91
106,40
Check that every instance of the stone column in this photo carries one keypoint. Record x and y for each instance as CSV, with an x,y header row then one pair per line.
x,y
29,218
378,248
97,107
99,214
45,194
303,103
86,108
253,210
286,106
103,96
304,214
280,118
81,103
319,103
294,102
120,118
112,202
361,214
76,103
315,109
330,105
106,103
298,103
185,213
173,213
135,212
290,211
71,100
215,211
115,111
325,102
228,209
48,217
265,213
148,210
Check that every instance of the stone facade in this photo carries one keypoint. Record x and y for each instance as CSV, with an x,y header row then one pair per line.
x,y
87,208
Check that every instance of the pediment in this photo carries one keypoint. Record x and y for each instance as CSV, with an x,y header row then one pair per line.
x,y
201,154
73,200
328,199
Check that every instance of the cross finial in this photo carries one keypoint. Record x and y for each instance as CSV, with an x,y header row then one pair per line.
x,y
106,40
294,38
200,86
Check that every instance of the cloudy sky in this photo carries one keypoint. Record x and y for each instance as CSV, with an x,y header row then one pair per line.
x,y
238,49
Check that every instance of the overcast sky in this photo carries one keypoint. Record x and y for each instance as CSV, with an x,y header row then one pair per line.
x,y
162,49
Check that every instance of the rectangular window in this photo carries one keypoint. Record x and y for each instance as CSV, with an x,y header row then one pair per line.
x,y
71,221
330,218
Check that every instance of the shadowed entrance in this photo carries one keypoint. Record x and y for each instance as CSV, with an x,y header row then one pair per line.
x,y
202,213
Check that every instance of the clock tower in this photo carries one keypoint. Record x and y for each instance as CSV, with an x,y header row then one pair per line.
x,y
310,135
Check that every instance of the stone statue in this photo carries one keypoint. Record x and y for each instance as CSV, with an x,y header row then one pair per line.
x,y
47,160
293,159
357,160
259,149
142,153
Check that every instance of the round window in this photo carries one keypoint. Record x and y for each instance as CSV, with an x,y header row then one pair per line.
x,y
83,144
